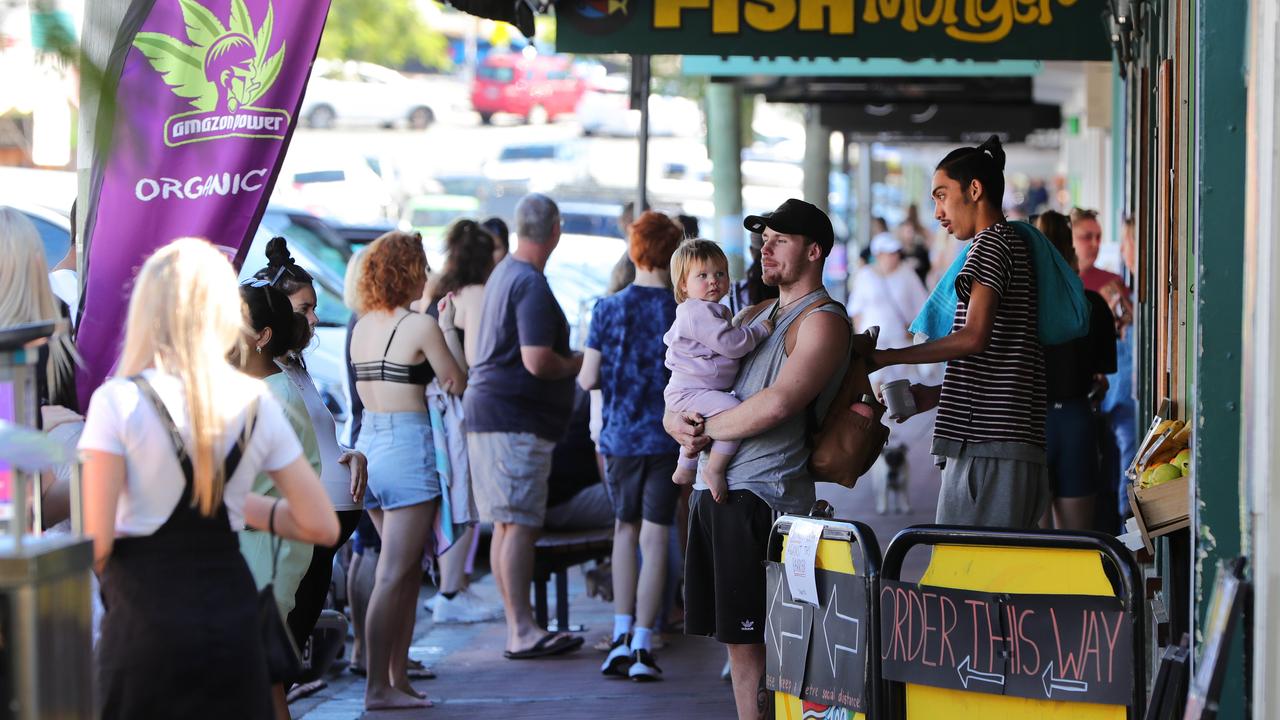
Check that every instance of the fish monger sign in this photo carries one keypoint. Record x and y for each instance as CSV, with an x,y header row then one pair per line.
x,y
907,29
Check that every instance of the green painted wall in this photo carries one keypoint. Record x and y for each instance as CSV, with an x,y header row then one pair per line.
x,y
1219,214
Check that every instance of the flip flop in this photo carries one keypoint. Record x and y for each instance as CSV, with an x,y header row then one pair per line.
x,y
549,644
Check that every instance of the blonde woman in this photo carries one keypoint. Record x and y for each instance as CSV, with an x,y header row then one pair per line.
x,y
170,448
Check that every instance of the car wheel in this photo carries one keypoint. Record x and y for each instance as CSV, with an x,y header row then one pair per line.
x,y
588,131
537,116
486,118
421,118
321,117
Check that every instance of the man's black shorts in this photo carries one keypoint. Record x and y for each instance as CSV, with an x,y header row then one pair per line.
x,y
724,577
641,487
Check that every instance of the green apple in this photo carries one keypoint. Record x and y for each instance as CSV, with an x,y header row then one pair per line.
x,y
1163,473
1182,460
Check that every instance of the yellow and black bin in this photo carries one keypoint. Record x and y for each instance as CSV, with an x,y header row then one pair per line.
x,y
822,657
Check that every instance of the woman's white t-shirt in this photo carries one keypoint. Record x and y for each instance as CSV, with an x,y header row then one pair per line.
x,y
121,421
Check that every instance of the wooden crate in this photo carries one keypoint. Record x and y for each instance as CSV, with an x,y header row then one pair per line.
x,y
1162,509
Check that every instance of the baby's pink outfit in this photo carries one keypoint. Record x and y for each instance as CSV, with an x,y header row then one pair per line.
x,y
703,353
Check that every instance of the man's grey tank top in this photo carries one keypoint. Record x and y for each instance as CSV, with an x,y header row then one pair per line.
x,y
774,464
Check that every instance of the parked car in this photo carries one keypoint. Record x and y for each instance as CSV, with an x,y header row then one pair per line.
x,y
578,273
431,215
605,109
341,188
537,88
360,93
534,167
53,225
593,219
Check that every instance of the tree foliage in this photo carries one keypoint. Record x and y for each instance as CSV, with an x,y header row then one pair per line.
x,y
386,32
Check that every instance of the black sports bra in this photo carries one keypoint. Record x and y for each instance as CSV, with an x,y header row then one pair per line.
x,y
388,371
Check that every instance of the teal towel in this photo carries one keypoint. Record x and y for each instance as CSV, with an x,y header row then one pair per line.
x,y
1063,310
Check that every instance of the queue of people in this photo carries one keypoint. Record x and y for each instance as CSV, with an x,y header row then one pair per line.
x,y
213,469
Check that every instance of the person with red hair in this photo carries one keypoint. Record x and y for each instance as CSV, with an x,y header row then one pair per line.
x,y
395,353
624,358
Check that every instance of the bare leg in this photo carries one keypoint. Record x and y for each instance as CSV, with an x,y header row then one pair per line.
x,y
360,580
404,534
653,572
687,469
747,665
626,536
517,573
713,476
453,564
496,543
1074,513
279,702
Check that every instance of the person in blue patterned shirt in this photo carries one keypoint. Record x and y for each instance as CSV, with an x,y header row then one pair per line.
x,y
624,358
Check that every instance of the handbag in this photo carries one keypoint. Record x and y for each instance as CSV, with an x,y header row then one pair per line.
x,y
284,661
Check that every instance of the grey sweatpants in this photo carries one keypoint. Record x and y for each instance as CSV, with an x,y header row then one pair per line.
x,y
993,491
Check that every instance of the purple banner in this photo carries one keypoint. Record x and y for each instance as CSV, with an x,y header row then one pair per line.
x,y
207,98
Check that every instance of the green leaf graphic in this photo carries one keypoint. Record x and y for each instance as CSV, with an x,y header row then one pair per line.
x,y
203,27
240,20
267,77
262,41
181,66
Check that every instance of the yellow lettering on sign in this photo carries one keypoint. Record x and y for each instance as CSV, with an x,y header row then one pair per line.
x,y
941,10
977,17
667,14
769,15
724,17
834,16
1026,12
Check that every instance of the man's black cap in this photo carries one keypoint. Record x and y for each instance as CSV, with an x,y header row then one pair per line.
x,y
796,217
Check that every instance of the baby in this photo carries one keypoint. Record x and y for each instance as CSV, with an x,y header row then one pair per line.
x,y
703,350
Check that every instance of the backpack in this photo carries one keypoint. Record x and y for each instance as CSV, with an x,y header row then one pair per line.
x,y
844,445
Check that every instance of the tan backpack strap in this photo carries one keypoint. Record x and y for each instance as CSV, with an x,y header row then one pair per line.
x,y
793,330
753,312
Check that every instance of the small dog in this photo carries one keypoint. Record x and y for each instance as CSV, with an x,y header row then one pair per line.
x,y
889,475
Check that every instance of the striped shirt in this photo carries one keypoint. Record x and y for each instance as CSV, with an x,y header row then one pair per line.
x,y
997,395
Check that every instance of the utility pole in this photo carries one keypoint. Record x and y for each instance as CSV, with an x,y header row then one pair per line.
x,y
640,82
724,145
817,159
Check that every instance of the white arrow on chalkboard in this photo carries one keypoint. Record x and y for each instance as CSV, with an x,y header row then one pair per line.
x,y
968,674
778,632
834,648
1052,683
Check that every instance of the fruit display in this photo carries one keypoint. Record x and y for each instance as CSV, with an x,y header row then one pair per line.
x,y
1164,454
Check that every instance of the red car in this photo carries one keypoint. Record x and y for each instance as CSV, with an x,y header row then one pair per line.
x,y
536,88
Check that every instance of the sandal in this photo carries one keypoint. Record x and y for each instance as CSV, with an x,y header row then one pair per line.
x,y
550,644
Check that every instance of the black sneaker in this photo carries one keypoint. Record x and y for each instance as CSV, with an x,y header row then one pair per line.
x,y
619,657
643,668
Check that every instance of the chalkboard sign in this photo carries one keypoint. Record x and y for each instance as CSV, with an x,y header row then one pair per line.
x,y
1056,647
818,654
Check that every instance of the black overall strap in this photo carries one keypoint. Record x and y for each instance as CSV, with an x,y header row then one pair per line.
x,y
179,445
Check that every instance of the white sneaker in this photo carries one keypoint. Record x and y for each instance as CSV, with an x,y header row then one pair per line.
x,y
619,657
643,667
463,608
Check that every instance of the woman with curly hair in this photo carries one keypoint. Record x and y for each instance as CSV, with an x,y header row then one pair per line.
x,y
396,353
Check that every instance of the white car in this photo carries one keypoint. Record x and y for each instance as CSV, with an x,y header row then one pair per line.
x,y
578,273
535,167
339,187
360,93
605,109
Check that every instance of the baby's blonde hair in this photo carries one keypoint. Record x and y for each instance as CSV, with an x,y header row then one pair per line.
x,y
690,253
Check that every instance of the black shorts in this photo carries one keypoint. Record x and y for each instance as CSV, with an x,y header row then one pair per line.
x,y
724,577
641,487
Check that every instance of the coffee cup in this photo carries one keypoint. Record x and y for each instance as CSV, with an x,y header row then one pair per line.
x,y
898,399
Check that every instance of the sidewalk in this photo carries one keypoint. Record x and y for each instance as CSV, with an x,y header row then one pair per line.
x,y
476,681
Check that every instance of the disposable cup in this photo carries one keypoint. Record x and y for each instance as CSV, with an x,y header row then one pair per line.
x,y
898,399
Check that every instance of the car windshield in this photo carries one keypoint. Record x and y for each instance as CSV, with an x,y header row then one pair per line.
x,y
319,176
496,74
529,152
300,235
329,307
587,224
578,273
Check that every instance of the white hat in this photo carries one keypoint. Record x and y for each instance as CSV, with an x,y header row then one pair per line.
x,y
885,243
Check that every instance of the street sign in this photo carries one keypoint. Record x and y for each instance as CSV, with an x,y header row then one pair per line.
x,y
906,29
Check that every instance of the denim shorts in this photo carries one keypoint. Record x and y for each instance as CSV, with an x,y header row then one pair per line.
x,y
402,467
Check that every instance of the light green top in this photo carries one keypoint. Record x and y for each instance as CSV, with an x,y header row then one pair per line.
x,y
256,546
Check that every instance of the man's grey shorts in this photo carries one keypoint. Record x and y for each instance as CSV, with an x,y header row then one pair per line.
x,y
993,492
509,474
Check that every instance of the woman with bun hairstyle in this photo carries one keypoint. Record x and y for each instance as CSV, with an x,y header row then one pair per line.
x,y
989,436
170,448
275,332
395,353
342,470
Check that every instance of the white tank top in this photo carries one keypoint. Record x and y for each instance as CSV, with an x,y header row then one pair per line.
x,y
335,477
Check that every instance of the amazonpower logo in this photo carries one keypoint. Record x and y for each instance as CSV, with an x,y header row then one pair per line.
x,y
223,71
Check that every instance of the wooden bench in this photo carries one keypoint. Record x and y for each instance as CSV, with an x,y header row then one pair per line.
x,y
554,554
